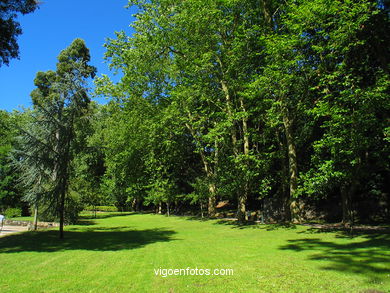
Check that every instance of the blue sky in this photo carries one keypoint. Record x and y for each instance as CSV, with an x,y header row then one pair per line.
x,y
52,28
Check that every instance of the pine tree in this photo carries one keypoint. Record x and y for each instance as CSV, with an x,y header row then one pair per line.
x,y
48,142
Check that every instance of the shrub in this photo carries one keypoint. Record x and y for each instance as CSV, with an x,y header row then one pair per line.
x,y
101,208
13,212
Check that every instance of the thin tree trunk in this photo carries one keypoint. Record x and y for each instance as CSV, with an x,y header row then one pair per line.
x,y
285,194
243,195
293,168
347,193
168,211
36,216
36,207
209,175
63,180
212,200
345,205
229,107
266,13
62,211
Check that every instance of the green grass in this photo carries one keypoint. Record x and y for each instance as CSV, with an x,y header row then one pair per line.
x,y
27,219
119,252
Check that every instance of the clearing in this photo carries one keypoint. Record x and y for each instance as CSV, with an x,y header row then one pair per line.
x,y
121,252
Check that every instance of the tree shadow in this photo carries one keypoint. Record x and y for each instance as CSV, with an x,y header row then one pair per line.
x,y
347,232
94,239
255,225
85,222
105,215
197,218
90,219
369,257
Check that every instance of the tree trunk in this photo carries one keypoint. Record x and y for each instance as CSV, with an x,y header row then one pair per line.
x,y
293,169
345,202
243,196
266,13
209,174
63,177
347,193
241,209
168,211
212,200
160,207
36,217
62,211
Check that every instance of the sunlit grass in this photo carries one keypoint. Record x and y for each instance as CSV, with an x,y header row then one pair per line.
x,y
26,219
118,253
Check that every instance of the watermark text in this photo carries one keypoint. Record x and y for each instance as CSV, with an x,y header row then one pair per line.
x,y
165,272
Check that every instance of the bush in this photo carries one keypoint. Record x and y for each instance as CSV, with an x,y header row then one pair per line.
x,y
101,208
13,212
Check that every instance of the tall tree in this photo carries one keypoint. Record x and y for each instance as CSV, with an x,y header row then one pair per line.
x,y
60,101
198,57
335,70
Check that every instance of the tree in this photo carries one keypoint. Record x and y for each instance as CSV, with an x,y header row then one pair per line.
x,y
197,58
352,89
265,93
335,70
49,141
10,28
11,192
88,164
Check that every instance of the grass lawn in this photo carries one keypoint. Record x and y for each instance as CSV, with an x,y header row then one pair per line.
x,y
119,253
27,219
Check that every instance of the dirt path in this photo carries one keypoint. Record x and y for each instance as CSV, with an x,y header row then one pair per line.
x,y
7,230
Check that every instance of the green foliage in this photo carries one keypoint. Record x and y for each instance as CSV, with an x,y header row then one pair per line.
x,y
11,192
10,29
72,209
101,208
247,101
12,212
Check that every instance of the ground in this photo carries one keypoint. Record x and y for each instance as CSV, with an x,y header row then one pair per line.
x,y
7,230
121,252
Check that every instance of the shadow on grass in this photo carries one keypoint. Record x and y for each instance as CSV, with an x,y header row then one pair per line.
x,y
255,225
370,257
234,223
105,215
94,239
347,232
197,218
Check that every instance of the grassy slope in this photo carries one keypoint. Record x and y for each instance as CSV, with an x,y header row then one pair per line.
x,y
119,253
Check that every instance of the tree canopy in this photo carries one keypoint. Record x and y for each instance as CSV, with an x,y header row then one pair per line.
x,y
9,27
254,109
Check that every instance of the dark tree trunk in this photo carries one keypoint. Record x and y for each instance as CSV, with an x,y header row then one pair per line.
x,y
168,209
62,212
347,193
345,203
